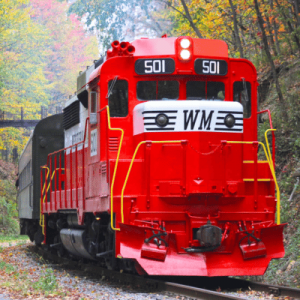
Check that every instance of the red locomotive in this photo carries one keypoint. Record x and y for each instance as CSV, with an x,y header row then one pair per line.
x,y
160,172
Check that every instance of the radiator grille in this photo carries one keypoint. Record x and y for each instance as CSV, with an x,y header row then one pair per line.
x,y
71,115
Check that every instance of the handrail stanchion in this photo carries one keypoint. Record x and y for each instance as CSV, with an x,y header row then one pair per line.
x,y
66,180
269,159
71,176
76,173
147,171
60,183
130,167
55,181
255,149
51,202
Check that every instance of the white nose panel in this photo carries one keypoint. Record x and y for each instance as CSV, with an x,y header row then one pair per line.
x,y
188,116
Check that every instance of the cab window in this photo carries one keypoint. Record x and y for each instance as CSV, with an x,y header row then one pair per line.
x,y
118,98
205,90
93,102
157,90
242,94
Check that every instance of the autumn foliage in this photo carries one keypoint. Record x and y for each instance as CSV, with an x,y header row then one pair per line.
x,y
42,51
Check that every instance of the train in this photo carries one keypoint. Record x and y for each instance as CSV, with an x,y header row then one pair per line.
x,y
154,167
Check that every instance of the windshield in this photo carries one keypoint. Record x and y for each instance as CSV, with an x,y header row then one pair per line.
x,y
205,90
169,90
157,90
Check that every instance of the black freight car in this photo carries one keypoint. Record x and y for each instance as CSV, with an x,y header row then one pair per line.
x,y
47,137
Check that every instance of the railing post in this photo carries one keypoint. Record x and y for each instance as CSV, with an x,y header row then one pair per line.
x,y
66,165
22,113
76,174
184,164
41,201
147,171
50,175
255,148
55,181
223,145
71,177
59,181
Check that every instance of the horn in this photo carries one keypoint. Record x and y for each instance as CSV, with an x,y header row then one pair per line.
x,y
129,50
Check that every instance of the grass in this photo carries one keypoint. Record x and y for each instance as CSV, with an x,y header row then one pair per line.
x,y
13,238
8,268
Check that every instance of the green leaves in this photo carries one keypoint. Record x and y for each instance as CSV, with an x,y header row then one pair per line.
x,y
113,19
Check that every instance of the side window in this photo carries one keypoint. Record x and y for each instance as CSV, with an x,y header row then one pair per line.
x,y
93,102
118,98
242,94
93,108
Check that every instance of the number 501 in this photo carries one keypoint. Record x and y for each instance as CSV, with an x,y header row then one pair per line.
x,y
211,67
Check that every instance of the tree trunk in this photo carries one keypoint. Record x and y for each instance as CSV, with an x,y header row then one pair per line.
x,y
297,12
275,29
188,16
266,46
271,35
236,29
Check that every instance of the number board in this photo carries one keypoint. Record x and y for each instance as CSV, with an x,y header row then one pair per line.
x,y
155,66
210,67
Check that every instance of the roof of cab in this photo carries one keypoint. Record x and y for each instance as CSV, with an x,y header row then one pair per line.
x,y
167,46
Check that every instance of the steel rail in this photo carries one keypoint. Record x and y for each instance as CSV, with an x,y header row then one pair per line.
x,y
276,290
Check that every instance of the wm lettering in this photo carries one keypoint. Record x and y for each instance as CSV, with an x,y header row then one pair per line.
x,y
191,118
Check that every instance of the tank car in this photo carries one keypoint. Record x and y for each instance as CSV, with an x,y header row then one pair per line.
x,y
160,171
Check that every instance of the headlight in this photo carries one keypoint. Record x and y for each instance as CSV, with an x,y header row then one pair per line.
x,y
185,54
161,120
185,43
229,120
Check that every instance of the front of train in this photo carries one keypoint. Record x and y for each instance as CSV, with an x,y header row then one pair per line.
x,y
196,200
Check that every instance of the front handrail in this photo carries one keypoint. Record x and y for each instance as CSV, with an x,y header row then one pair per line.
x,y
115,171
270,162
131,163
272,129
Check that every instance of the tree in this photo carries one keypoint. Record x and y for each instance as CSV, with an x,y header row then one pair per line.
x,y
116,19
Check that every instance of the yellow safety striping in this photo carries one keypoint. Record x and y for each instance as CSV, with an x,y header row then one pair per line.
x,y
114,175
258,179
252,161
42,217
133,158
269,159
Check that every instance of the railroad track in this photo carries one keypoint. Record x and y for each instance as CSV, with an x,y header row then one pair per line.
x,y
185,286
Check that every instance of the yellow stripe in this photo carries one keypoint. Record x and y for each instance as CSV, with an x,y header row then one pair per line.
x,y
258,179
273,173
252,161
269,159
114,175
132,160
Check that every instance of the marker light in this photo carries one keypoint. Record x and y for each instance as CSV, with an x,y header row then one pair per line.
x,y
185,43
185,54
